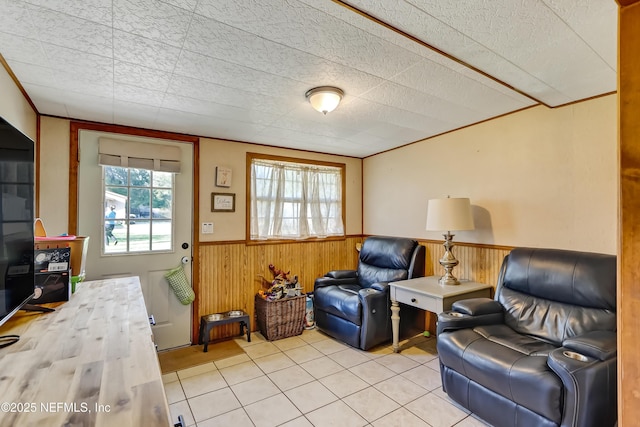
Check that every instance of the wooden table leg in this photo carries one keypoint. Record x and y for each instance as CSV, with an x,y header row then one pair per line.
x,y
395,324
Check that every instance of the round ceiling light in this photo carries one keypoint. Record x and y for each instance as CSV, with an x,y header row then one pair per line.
x,y
324,98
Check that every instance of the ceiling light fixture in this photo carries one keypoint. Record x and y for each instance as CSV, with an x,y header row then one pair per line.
x,y
324,98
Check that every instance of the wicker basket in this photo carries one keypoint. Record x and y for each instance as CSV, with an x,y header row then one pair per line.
x,y
280,318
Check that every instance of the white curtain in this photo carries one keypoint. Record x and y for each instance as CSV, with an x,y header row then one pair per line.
x,y
295,200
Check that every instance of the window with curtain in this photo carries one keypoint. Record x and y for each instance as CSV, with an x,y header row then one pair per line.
x,y
295,199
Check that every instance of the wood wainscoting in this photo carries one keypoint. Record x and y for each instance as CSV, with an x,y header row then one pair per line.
x,y
479,263
230,272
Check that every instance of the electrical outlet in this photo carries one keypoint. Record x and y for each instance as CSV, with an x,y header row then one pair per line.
x,y
207,228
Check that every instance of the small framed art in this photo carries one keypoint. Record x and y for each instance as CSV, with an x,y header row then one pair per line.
x,y
223,176
223,202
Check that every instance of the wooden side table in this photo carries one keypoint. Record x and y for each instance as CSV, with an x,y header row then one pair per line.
x,y
218,319
427,294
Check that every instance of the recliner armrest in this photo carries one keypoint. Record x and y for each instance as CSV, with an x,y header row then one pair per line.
x,y
380,286
470,313
342,274
477,306
337,277
589,382
600,345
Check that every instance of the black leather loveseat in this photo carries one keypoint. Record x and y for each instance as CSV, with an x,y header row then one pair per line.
x,y
543,352
354,306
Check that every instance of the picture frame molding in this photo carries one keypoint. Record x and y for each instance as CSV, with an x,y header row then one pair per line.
x,y
223,202
223,176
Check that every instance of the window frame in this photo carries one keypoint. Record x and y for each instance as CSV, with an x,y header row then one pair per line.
x,y
128,220
341,166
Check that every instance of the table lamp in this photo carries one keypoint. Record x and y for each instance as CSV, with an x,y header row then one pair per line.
x,y
450,214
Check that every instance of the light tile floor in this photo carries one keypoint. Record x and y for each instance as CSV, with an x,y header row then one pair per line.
x,y
313,380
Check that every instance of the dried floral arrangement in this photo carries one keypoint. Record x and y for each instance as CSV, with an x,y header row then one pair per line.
x,y
281,286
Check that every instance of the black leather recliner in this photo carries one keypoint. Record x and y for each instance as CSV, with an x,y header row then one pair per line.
x,y
543,352
354,306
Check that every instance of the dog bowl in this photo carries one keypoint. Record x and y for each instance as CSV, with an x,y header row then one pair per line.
x,y
216,316
235,313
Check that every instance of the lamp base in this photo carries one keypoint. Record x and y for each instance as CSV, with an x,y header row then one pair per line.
x,y
448,261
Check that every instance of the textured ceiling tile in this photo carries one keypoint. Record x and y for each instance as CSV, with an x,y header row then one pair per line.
x,y
194,124
152,19
404,98
79,85
94,111
22,49
465,29
93,10
231,75
132,114
71,32
315,32
212,38
213,109
34,74
137,75
199,89
591,20
16,18
76,63
505,27
368,25
311,141
364,113
322,128
189,5
49,100
440,82
387,132
139,50
124,92
240,70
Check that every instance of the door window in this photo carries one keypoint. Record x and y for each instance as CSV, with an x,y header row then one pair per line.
x,y
138,210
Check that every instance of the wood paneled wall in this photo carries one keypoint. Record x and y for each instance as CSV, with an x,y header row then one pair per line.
x,y
230,271
480,263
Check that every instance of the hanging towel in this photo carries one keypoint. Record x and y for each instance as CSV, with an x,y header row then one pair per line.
x,y
180,284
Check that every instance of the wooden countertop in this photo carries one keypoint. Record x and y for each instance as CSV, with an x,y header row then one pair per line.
x,y
92,362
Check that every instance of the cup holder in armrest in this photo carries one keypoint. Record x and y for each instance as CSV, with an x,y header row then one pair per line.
x,y
455,314
575,356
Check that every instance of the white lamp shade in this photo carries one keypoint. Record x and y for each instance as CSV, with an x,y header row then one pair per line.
x,y
451,214
325,99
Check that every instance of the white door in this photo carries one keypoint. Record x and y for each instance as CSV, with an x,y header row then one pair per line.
x,y
149,234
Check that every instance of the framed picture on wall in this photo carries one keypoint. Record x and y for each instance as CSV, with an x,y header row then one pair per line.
x,y
223,202
223,176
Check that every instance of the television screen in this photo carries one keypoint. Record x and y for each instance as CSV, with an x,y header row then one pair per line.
x,y
16,219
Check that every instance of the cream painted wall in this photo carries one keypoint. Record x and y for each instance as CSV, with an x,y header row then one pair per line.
x,y
540,177
14,107
54,194
54,174
232,225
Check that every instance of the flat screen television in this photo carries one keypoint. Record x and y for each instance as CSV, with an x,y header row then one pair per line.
x,y
17,210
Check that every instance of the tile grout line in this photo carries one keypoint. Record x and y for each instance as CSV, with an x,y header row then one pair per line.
x,y
343,368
